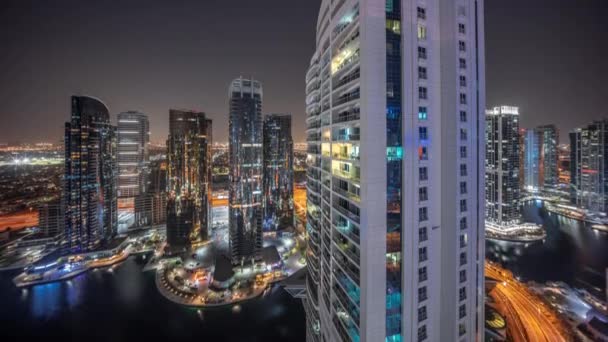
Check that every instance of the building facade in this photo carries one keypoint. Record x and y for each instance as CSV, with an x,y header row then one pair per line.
x,y
549,174
502,165
90,179
133,156
245,149
189,177
589,167
395,125
541,158
51,218
278,172
531,160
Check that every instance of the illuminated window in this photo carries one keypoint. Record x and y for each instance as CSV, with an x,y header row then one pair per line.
x,y
393,26
422,113
421,32
463,240
422,153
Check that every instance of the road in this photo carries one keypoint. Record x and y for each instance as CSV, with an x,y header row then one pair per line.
x,y
299,199
17,221
528,317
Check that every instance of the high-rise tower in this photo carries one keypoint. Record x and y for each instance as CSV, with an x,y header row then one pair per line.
x,y
189,177
502,165
133,157
395,126
278,172
589,167
245,169
90,181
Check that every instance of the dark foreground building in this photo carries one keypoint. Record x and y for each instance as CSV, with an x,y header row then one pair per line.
x,y
278,172
189,175
90,181
245,170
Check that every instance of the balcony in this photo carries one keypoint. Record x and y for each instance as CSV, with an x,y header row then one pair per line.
x,y
352,156
350,335
346,303
347,209
313,124
346,193
353,175
347,248
352,76
346,265
347,229
345,98
345,116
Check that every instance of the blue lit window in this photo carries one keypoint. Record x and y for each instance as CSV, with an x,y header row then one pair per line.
x,y
422,113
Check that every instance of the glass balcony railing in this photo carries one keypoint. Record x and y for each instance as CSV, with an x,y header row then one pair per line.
x,y
345,116
352,175
344,98
347,248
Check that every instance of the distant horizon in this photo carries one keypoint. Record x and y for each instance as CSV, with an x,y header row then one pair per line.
x,y
542,64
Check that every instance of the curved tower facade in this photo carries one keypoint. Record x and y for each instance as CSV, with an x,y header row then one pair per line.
x,y
245,142
395,127
90,181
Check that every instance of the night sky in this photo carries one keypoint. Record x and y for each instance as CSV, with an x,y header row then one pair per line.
x,y
547,56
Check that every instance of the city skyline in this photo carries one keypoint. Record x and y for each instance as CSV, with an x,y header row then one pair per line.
x,y
431,200
186,74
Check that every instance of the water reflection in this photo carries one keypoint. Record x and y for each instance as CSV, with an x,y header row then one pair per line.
x,y
45,300
572,252
127,301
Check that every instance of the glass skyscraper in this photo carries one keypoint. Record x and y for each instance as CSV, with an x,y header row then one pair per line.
x,y
245,140
589,167
395,182
90,180
541,158
502,165
278,172
133,156
189,177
